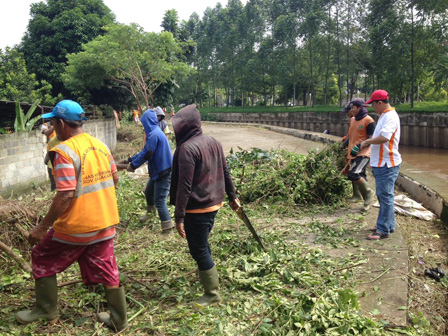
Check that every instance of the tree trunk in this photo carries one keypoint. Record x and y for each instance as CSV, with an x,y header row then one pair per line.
x,y
328,57
339,57
412,57
311,72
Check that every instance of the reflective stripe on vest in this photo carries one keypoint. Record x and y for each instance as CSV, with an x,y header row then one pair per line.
x,y
80,190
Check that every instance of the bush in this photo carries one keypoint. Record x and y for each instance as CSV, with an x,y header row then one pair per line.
x,y
281,175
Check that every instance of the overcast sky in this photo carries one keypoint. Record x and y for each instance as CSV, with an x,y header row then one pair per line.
x,y
148,14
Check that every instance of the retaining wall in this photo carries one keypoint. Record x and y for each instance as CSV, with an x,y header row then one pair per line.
x,y
417,129
22,155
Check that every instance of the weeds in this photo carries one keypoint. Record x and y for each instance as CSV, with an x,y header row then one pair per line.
x,y
281,176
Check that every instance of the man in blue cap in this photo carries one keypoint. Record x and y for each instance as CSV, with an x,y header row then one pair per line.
x,y
83,216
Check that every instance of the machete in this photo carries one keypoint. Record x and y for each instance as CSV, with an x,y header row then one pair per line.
x,y
241,214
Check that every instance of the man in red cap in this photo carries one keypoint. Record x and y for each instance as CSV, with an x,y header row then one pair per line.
x,y
385,161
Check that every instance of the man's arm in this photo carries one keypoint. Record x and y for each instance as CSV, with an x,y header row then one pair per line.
x,y
60,203
116,179
379,140
48,131
187,166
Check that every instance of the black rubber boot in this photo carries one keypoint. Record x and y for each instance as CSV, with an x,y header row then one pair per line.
x,y
46,302
210,281
116,301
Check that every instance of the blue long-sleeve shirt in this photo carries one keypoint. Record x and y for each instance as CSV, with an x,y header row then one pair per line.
x,y
157,151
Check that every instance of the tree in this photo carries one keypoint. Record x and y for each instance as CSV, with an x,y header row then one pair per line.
x,y
16,83
57,28
170,22
129,58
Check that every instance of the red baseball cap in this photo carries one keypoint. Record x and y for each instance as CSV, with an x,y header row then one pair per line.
x,y
378,95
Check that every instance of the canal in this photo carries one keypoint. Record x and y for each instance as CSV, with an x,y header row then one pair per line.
x,y
426,161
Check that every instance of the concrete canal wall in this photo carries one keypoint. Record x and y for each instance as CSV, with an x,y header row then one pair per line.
x,y
22,155
417,129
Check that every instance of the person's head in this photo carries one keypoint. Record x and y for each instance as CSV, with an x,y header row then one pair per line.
x,y
356,106
379,101
186,124
347,110
67,118
159,113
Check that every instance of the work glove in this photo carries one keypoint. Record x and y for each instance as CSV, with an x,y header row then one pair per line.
x,y
355,150
130,167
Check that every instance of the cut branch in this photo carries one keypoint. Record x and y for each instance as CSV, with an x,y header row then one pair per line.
x,y
22,263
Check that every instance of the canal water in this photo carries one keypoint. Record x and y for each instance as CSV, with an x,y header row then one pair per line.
x,y
432,161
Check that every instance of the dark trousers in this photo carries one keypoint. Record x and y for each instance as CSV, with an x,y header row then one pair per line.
x,y
197,229
52,181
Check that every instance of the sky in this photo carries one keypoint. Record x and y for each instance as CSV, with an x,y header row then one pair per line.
x,y
148,14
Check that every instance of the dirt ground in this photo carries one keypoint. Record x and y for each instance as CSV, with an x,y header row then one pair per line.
x,y
426,243
247,137
423,244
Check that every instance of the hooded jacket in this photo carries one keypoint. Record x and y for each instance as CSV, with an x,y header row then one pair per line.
x,y
162,123
157,149
200,176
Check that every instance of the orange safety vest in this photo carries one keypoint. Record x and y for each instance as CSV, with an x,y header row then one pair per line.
x,y
94,205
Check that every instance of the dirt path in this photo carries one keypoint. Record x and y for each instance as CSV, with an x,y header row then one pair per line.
x,y
247,137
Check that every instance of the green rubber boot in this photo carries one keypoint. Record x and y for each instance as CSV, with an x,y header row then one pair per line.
x,y
167,227
46,302
356,194
210,282
367,194
116,301
150,212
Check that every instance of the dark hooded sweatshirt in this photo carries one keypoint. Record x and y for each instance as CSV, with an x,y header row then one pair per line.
x,y
200,177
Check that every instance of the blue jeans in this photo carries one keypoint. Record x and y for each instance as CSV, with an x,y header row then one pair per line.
x,y
156,193
385,181
197,229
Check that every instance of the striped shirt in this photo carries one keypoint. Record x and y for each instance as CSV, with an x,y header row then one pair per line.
x,y
65,177
387,153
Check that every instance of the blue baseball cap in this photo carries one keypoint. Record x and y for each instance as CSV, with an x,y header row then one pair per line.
x,y
68,110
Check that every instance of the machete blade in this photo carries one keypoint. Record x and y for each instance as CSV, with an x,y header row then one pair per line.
x,y
240,212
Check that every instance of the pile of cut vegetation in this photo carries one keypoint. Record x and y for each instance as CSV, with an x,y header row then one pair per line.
x,y
17,218
278,175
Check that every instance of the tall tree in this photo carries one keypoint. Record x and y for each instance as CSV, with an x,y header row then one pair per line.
x,y
57,28
170,22
130,58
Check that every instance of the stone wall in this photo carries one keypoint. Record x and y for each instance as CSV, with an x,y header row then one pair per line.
x,y
417,129
22,155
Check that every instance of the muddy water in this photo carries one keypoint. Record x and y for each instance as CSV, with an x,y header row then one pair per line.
x,y
432,161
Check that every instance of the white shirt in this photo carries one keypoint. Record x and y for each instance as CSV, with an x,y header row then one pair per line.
x,y
387,153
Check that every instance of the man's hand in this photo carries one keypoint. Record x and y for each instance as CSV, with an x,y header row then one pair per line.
x,y
355,150
235,204
180,229
37,234
363,144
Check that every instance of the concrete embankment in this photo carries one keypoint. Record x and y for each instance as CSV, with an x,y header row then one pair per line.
x,y
431,191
